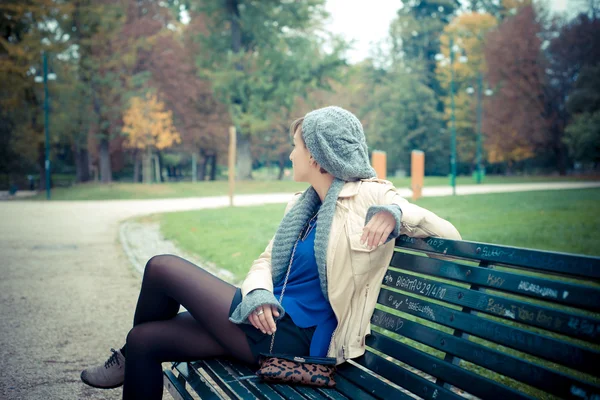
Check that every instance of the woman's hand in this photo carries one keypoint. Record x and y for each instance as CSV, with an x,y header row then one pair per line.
x,y
262,318
376,232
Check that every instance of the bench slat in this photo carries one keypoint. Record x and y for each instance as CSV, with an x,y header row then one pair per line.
x,y
546,289
287,391
258,387
404,378
551,349
372,384
448,372
173,384
347,390
197,381
309,393
570,264
578,326
522,370
226,380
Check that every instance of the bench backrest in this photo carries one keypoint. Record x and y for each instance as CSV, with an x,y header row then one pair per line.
x,y
492,321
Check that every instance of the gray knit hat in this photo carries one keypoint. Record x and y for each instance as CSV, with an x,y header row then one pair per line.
x,y
336,140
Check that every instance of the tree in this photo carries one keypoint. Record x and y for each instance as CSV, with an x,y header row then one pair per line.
x,y
518,117
99,25
574,57
468,32
149,126
415,35
402,115
500,9
199,117
259,56
27,29
583,133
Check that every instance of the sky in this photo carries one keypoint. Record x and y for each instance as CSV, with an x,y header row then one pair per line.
x,y
367,22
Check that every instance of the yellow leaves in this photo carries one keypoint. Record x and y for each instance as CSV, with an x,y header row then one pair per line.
x,y
147,123
468,33
507,147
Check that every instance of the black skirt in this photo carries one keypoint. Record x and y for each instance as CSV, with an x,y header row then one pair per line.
x,y
289,338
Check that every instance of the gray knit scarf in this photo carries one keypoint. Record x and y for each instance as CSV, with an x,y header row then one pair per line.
x,y
293,223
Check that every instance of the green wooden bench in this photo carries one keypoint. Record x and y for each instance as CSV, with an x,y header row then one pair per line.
x,y
455,319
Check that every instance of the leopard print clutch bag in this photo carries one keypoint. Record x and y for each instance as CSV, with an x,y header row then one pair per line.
x,y
283,368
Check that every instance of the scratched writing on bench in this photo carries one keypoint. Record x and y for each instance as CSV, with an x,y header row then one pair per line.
x,y
529,257
416,306
416,285
389,322
494,280
541,317
392,301
489,251
542,291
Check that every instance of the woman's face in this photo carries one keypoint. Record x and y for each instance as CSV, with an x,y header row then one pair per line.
x,y
300,158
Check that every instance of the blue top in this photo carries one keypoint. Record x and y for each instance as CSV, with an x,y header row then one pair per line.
x,y
303,299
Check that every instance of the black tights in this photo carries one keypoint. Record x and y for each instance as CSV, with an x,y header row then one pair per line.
x,y
160,334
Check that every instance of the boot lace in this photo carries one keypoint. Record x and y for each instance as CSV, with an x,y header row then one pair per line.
x,y
114,359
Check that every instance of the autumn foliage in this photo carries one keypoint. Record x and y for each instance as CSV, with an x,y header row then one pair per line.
x,y
149,126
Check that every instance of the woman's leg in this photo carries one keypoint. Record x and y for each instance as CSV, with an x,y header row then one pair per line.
x,y
181,338
168,282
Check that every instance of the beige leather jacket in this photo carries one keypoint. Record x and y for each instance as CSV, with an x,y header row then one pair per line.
x,y
354,273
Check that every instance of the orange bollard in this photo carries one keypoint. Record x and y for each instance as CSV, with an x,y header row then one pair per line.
x,y
417,171
379,161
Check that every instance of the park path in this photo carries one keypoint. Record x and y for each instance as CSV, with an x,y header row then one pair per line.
x,y
68,291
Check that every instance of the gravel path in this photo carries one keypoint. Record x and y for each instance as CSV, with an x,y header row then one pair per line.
x,y
68,290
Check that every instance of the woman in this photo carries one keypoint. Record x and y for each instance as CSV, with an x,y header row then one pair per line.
x,y
338,237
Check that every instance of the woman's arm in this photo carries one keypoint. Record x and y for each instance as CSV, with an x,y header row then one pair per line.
x,y
393,216
417,221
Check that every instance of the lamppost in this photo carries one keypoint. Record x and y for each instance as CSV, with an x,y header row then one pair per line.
x,y
463,59
45,79
488,92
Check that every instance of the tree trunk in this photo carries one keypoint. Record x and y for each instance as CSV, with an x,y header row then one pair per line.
x,y
281,166
244,158
147,166
137,162
194,167
160,177
213,167
82,164
105,168
561,153
203,168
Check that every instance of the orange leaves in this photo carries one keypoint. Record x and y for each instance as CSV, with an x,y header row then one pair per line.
x,y
517,122
147,123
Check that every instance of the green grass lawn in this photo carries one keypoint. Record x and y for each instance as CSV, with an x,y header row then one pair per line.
x,y
558,220
127,191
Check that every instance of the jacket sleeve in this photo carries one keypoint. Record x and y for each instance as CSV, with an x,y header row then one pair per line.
x,y
260,276
416,221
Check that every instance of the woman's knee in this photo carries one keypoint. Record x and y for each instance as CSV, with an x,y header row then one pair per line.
x,y
156,264
140,339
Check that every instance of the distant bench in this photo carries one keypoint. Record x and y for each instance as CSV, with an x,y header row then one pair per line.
x,y
455,318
